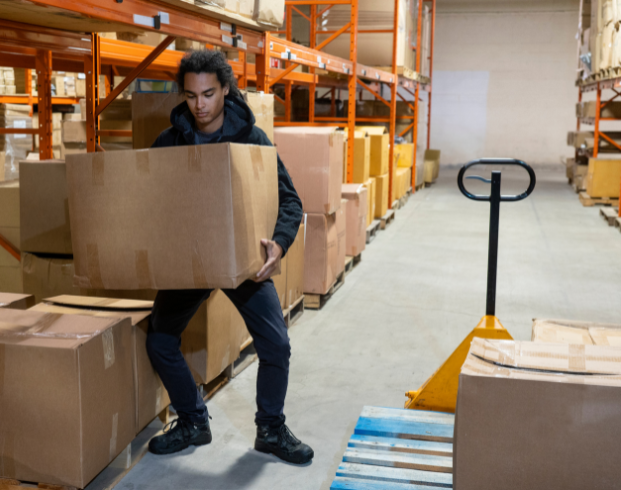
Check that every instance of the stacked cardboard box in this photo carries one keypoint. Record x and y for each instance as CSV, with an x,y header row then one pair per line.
x,y
14,147
378,170
603,177
20,81
542,415
16,301
10,273
314,160
432,165
356,218
7,81
64,84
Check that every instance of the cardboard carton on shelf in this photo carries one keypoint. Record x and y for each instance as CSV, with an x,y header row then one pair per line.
x,y
432,165
16,301
402,182
82,366
320,253
370,185
357,208
314,159
362,157
151,396
262,106
46,276
404,154
341,232
10,267
603,177
295,268
551,408
171,218
381,195
380,148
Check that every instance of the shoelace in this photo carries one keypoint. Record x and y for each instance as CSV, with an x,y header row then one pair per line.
x,y
286,436
183,427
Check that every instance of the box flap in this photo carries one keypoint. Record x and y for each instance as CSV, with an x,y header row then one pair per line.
x,y
553,333
560,358
100,303
7,299
372,130
606,336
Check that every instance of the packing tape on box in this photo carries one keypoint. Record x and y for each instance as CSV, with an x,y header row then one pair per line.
x,y
92,265
256,157
107,340
115,430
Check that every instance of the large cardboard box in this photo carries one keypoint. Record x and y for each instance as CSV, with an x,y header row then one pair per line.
x,y
82,368
16,301
151,116
380,148
362,157
603,178
151,396
543,416
381,195
295,268
370,185
44,207
320,253
45,276
404,154
262,106
10,268
357,208
588,109
188,217
341,233
313,157
402,174
576,332
432,165
212,340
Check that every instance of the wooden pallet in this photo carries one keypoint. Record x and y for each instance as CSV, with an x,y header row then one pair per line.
x,y
589,201
372,230
610,215
316,301
351,262
398,449
387,219
294,312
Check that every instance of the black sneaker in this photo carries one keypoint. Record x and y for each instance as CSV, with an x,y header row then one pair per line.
x,y
180,434
282,443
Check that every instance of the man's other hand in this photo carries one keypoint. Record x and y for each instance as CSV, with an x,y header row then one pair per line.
x,y
274,253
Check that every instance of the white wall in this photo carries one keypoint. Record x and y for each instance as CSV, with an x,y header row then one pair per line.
x,y
504,75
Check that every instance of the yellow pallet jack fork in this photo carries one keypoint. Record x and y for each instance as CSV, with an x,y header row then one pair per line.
x,y
439,393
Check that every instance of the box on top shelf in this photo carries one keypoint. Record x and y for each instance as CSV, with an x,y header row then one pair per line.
x,y
357,208
171,218
82,367
320,253
313,157
380,148
16,301
554,409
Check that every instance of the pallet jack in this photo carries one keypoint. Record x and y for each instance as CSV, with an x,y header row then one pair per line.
x,y
439,392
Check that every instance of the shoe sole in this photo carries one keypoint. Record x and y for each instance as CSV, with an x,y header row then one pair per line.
x,y
264,448
180,448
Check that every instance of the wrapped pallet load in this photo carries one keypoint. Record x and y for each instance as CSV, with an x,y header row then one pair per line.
x,y
14,147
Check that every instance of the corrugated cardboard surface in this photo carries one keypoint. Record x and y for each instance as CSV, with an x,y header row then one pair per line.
x,y
44,207
82,368
380,147
341,232
576,332
320,253
362,157
404,154
314,159
295,268
187,217
356,236
44,277
370,185
16,301
603,177
525,429
381,195
262,106
151,396
151,116
10,268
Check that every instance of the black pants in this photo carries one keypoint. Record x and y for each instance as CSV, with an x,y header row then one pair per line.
x,y
259,306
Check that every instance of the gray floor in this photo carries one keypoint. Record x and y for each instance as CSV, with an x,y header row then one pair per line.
x,y
418,291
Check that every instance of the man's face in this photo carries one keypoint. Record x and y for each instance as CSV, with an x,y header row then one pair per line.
x,y
205,97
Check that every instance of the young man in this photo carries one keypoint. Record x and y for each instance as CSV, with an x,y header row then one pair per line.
x,y
214,112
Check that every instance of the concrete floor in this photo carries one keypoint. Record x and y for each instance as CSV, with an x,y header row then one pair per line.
x,y
419,289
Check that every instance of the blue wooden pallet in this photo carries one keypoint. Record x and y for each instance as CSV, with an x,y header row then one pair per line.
x,y
398,449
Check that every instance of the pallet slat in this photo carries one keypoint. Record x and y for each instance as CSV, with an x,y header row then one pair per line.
x,y
589,201
423,416
413,461
404,429
344,483
395,475
609,215
394,444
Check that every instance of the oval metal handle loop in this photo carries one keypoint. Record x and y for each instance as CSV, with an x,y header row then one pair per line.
x,y
497,161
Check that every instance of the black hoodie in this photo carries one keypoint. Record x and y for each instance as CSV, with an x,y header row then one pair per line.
x,y
239,127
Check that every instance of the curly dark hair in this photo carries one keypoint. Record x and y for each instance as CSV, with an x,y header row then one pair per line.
x,y
207,61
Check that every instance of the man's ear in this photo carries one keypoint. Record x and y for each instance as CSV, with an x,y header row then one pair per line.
x,y
226,90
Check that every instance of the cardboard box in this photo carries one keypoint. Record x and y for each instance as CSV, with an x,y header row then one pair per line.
x,y
370,185
151,116
188,217
45,276
44,207
74,131
381,195
432,165
82,367
212,340
320,253
362,157
10,267
576,332
262,106
280,283
402,174
588,109
539,418
380,148
341,234
356,236
603,178
151,396
295,268
313,158
404,154
16,301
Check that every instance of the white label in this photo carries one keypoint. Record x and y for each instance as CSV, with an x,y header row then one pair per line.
x,y
241,45
143,20
284,55
293,56
164,17
227,39
226,27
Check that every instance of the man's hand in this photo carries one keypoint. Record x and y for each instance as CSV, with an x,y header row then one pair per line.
x,y
274,253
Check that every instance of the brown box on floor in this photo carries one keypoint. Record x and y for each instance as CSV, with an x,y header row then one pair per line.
x,y
541,415
188,217
10,267
380,148
314,159
356,236
16,301
320,253
151,396
341,232
381,195
603,177
44,207
295,268
68,406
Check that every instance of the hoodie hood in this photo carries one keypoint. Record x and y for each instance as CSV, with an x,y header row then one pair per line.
x,y
238,123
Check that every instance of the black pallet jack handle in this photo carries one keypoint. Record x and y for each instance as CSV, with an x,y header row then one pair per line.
x,y
495,198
